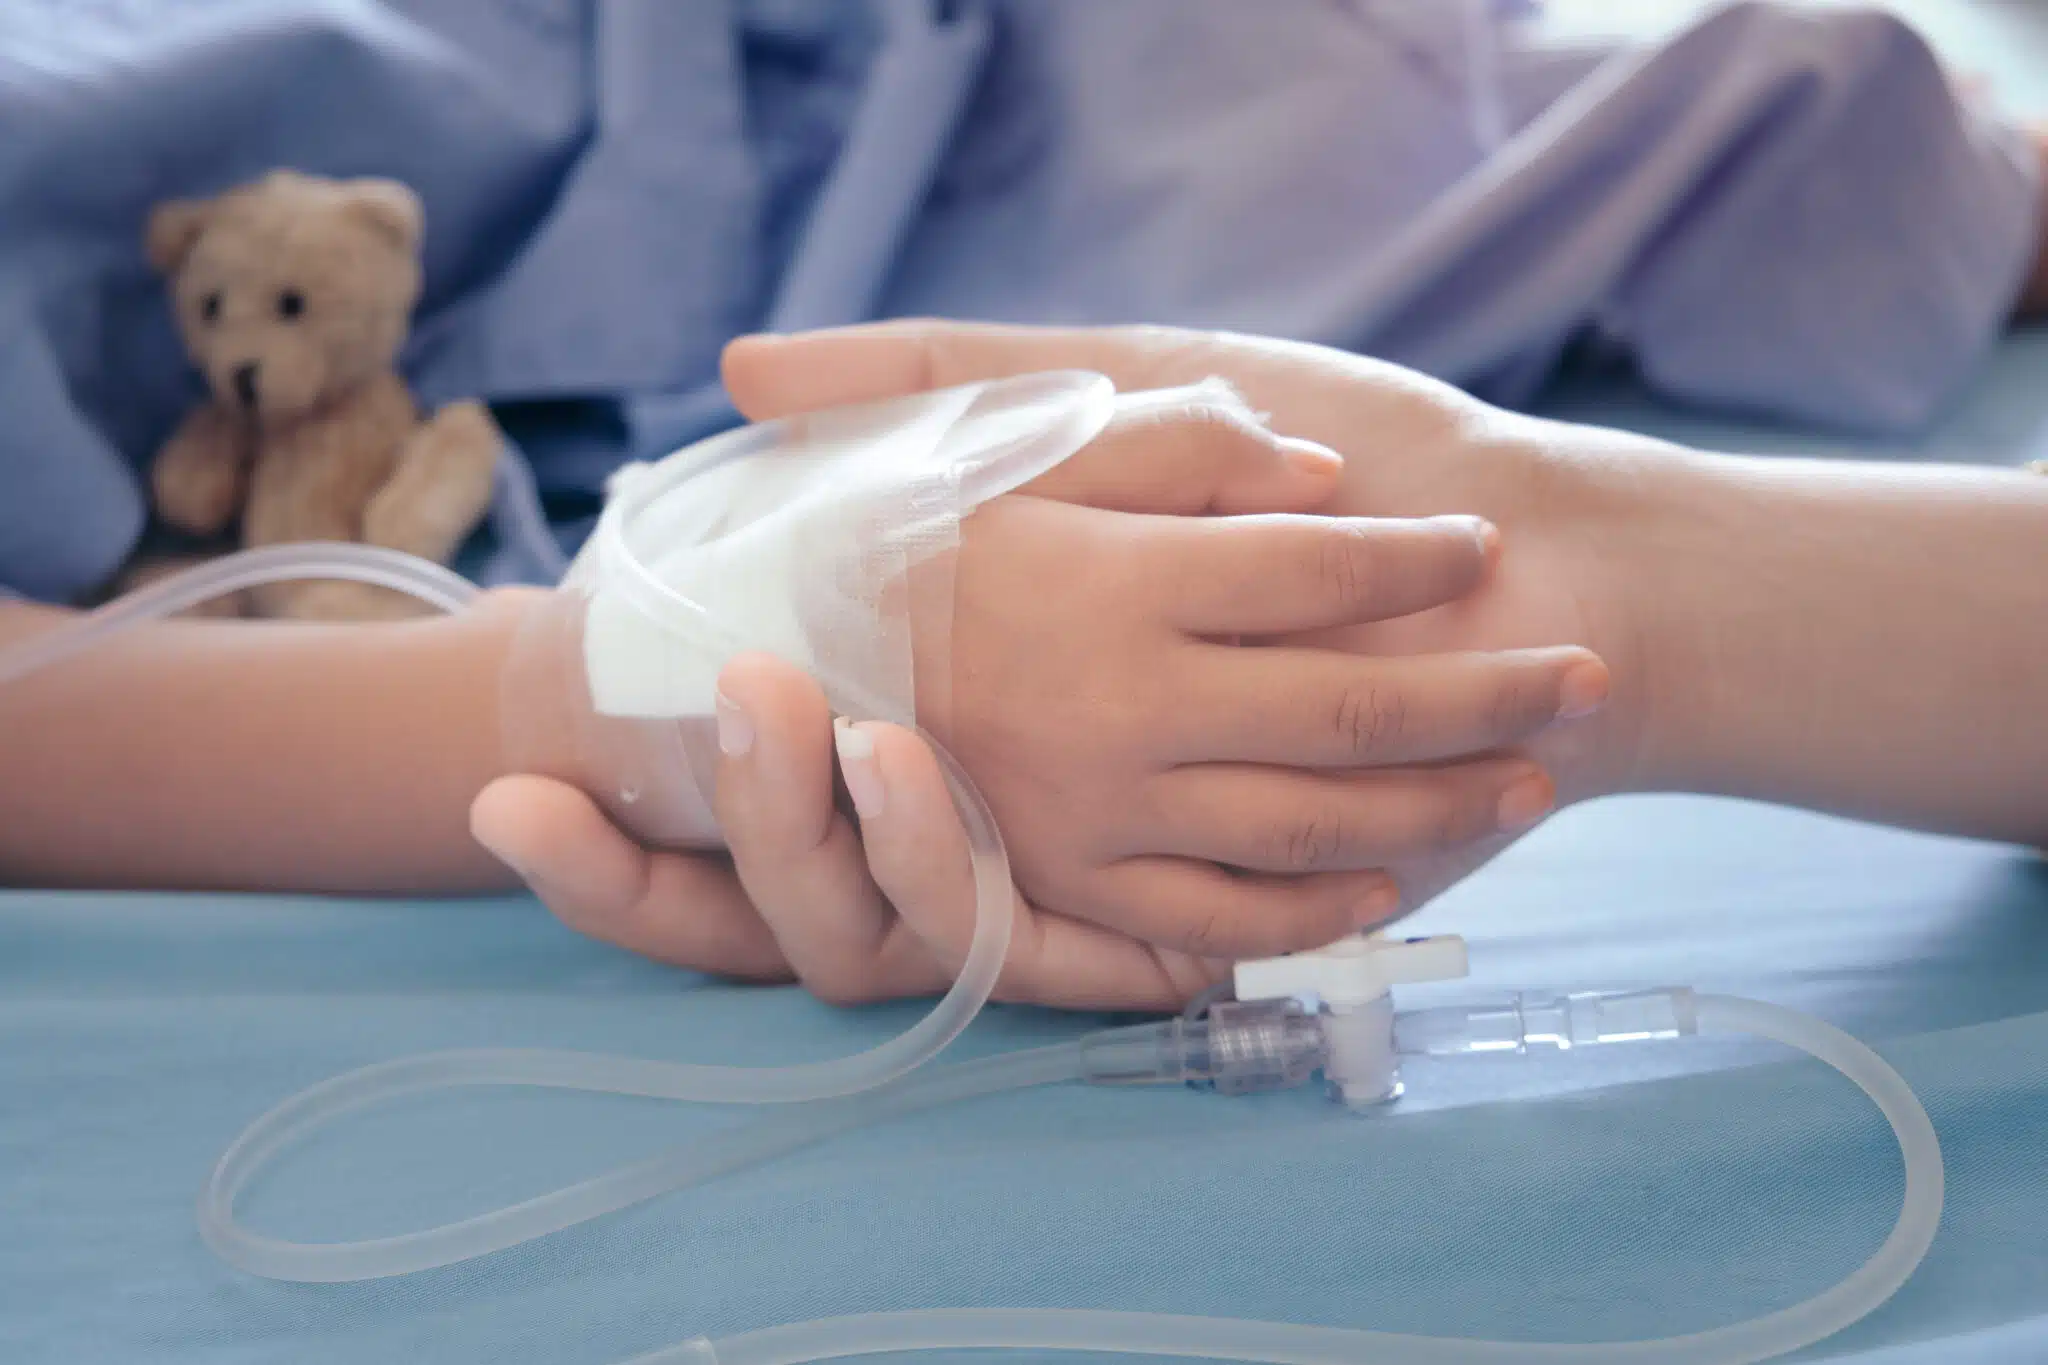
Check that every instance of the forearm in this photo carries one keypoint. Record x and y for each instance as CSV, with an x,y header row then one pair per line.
x,y
1864,639
237,755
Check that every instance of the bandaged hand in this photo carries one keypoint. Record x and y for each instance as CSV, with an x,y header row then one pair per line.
x,y
1171,798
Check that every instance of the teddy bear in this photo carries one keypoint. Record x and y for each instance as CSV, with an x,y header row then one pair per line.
x,y
293,295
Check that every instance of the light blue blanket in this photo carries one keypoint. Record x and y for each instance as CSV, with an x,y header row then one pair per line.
x,y
1776,210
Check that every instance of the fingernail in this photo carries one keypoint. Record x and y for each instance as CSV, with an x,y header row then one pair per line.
x,y
1482,530
491,847
857,765
1525,802
735,731
1377,908
1318,462
1583,691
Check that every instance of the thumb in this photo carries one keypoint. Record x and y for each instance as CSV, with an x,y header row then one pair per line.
x,y
1192,451
1187,444
774,376
685,909
1317,393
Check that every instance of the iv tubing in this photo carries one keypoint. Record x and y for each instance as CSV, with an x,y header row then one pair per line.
x,y
869,1087
720,1154
419,578
1272,1343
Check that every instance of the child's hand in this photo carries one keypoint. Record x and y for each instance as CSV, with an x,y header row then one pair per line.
x,y
1154,776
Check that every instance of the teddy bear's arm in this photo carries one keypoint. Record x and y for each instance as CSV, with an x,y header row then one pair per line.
x,y
442,486
198,477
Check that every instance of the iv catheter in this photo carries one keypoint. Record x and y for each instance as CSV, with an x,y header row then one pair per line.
x,y
635,610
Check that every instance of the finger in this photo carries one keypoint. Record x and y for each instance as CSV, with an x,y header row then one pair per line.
x,y
1207,911
1065,963
1278,574
1316,386
1326,708
773,376
918,852
798,857
1286,820
686,910
1189,451
1141,929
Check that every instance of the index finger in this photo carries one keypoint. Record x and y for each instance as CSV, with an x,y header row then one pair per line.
x,y
797,856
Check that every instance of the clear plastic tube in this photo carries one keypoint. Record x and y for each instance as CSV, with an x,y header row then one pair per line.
x,y
1272,1343
417,578
1586,1019
726,1152
834,1095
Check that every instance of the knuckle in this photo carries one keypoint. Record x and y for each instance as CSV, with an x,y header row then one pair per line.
x,y
1306,844
1344,571
1219,416
1370,720
1206,418
1201,939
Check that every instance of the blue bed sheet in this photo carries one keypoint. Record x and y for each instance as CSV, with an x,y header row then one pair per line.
x,y
1573,1197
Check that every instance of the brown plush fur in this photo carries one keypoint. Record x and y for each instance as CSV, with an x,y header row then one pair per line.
x,y
293,295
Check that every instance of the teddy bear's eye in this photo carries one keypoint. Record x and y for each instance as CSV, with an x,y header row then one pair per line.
x,y
209,307
290,303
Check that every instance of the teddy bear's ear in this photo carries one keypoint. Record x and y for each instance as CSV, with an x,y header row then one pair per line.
x,y
173,228
388,207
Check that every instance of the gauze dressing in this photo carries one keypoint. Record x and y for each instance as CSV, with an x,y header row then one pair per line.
x,y
824,539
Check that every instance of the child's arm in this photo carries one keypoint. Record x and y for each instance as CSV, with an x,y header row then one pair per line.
x,y
192,754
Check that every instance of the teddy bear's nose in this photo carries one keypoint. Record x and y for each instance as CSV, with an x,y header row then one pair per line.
x,y
245,385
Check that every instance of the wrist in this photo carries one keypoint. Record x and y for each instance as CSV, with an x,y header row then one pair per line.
x,y
653,777
1608,523
1679,608
457,667
1862,639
